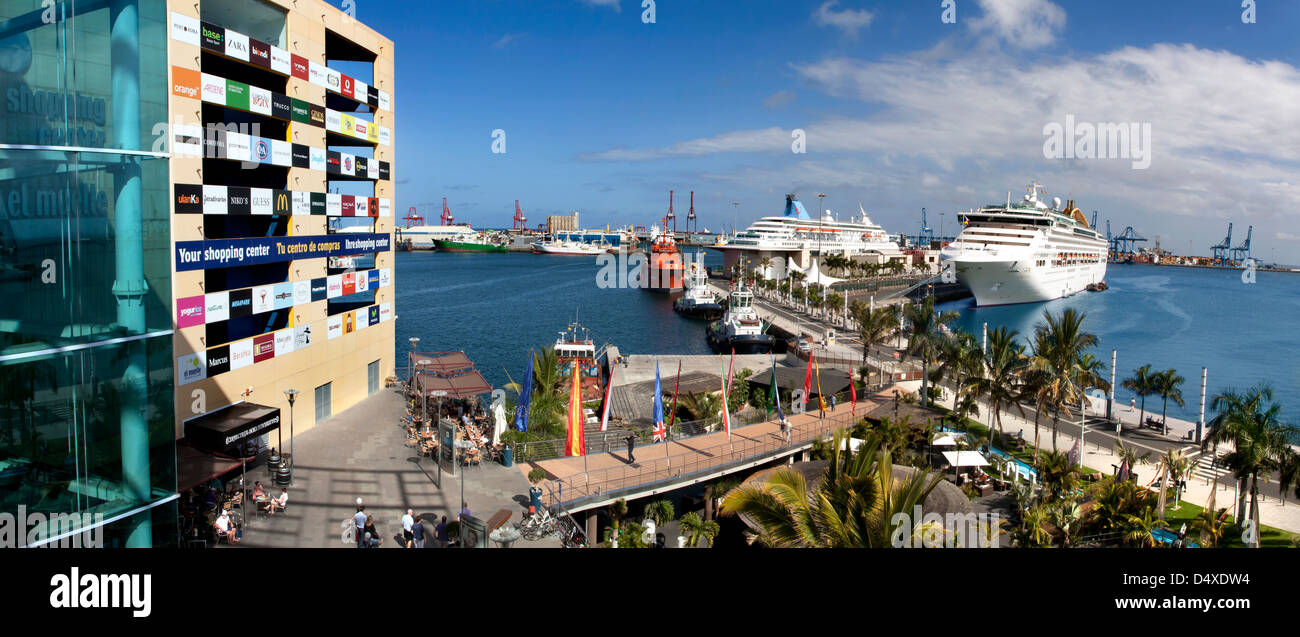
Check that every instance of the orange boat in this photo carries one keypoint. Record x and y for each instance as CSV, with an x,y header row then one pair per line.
x,y
664,269
575,353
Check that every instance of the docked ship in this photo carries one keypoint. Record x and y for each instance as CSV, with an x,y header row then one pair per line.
x,y
699,302
1026,251
570,248
663,267
796,235
469,241
740,329
575,353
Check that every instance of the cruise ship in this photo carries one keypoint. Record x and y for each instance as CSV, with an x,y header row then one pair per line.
x,y
797,234
1026,252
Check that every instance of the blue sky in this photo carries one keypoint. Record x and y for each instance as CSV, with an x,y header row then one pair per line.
x,y
605,114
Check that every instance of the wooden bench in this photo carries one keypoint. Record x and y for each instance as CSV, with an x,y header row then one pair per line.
x,y
498,520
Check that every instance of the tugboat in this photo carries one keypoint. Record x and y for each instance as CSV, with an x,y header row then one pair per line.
x,y
740,328
575,353
699,302
663,269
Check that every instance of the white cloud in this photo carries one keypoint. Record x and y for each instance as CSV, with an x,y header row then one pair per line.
x,y
850,21
779,99
1027,24
505,40
613,4
975,120
1287,236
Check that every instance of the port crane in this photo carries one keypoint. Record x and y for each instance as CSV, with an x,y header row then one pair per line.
x,y
446,217
926,235
671,215
521,222
1240,254
1222,251
691,218
1123,245
412,216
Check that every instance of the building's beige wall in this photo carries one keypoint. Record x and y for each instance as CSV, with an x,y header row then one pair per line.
x,y
344,360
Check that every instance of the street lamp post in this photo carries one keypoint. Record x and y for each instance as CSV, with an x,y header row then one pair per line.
x,y
291,394
415,340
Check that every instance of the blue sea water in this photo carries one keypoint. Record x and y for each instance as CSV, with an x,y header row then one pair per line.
x,y
1182,318
495,306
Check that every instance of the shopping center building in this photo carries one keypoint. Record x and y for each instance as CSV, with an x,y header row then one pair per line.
x,y
195,219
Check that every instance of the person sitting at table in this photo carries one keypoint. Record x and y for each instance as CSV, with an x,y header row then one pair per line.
x,y
278,502
372,533
224,528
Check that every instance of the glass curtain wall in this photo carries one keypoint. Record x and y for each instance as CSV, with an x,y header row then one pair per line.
x,y
86,369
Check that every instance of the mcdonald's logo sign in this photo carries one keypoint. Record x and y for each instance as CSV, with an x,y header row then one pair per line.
x,y
282,202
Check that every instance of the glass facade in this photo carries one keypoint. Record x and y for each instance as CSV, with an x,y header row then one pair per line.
x,y
86,369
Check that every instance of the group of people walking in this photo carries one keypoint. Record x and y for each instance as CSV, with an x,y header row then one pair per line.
x,y
415,532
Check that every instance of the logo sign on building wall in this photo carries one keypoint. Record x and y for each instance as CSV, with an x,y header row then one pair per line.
x,y
372,313
239,147
281,106
263,201
259,100
263,299
385,312
191,368
241,303
263,348
214,89
301,337
318,159
187,83
362,321
259,53
335,286
299,67
188,140
241,354
185,29
301,203
301,156
188,199
349,206
362,207
363,282
319,289
212,38
218,307
349,284
214,200
189,312
334,327
318,203
281,153
283,342
345,85
385,277
226,253
237,45
281,61
372,280
334,205
284,202
301,292
283,296
240,200
261,150
316,74
218,360
237,95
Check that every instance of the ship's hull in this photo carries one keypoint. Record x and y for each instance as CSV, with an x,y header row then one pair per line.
x,y
701,311
1010,282
663,272
462,246
565,251
741,343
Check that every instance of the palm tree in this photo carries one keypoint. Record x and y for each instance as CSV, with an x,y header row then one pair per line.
x,y
1060,477
1035,523
661,511
1139,530
1142,383
925,338
1173,466
702,406
1167,384
960,361
696,529
856,504
874,326
1210,527
1003,370
1060,345
617,511
1249,421
1128,455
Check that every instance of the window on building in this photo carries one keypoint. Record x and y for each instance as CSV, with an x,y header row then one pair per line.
x,y
324,402
372,377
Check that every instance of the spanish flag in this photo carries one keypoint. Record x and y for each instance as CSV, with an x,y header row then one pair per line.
x,y
576,443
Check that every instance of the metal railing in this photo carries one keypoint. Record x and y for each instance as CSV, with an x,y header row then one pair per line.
x,y
606,441
743,450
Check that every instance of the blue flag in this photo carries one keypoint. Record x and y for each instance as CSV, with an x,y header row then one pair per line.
x,y
525,396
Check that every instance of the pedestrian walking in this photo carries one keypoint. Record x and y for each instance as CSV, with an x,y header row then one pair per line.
x,y
833,401
631,444
360,521
417,533
408,521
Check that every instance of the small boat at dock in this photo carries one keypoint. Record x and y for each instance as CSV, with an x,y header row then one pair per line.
x,y
740,328
699,302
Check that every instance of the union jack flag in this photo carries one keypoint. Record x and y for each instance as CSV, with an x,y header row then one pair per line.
x,y
660,431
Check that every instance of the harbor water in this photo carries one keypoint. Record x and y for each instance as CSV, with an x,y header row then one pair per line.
x,y
495,306
1185,319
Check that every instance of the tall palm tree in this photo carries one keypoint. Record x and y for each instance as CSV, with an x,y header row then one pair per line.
x,y
696,529
1173,466
874,326
661,511
1060,477
1003,371
1210,527
1168,385
854,505
1128,454
960,360
925,339
1250,422
1061,343
1141,383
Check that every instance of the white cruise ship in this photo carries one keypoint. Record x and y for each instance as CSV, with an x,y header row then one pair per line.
x,y
1026,252
798,233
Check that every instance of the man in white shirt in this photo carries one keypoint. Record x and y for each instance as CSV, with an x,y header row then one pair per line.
x,y
223,527
360,520
278,502
408,521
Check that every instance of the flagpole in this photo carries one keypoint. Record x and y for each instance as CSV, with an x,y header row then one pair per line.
x,y
672,415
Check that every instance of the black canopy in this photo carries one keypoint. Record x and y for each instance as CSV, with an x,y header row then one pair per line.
x,y
224,430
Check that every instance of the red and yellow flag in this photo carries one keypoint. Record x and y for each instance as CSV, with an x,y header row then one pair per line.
x,y
726,412
576,440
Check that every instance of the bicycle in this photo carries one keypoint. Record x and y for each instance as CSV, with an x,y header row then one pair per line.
x,y
539,525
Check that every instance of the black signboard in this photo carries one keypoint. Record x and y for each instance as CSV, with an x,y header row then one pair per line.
x,y
318,206
218,360
188,199
212,37
301,156
239,201
241,303
226,430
